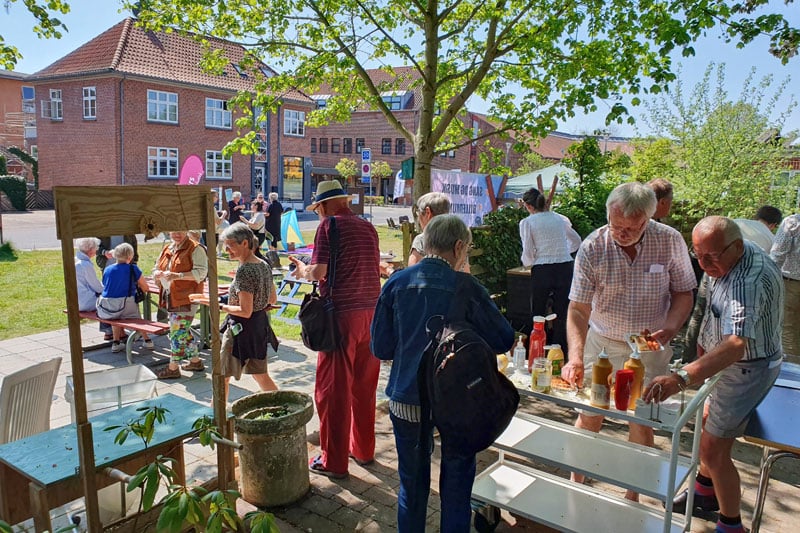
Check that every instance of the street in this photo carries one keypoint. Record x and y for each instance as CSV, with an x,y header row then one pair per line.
x,y
36,230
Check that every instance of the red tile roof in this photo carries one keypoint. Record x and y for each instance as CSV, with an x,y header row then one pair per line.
x,y
128,49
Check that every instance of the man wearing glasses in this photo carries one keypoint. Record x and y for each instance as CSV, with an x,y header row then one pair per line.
x,y
630,275
740,337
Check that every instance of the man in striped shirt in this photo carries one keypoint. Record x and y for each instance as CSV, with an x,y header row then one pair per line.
x,y
347,378
740,336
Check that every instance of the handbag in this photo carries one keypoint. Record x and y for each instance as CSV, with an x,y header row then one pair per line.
x,y
139,295
318,324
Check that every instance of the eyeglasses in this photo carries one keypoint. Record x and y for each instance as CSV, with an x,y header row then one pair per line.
x,y
711,258
627,229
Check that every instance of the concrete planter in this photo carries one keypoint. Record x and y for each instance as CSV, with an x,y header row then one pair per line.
x,y
271,426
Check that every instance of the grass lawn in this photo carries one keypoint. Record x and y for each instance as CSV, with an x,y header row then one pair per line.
x,y
32,296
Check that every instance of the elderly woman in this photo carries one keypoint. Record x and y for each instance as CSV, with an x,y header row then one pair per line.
x,y
180,271
89,286
256,224
247,330
407,301
273,225
119,290
236,207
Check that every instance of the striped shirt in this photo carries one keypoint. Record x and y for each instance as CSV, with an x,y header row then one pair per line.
x,y
358,282
746,302
629,296
786,249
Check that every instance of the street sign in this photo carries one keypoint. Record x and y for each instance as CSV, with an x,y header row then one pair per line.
x,y
366,166
366,155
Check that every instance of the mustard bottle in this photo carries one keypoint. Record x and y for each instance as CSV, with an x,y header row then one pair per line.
x,y
601,393
635,363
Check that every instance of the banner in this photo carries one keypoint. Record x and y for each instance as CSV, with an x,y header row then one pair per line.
x,y
192,171
468,193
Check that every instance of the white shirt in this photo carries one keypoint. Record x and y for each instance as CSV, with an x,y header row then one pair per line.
x,y
547,238
89,286
756,232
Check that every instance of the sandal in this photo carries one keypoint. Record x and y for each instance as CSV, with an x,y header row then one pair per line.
x,y
316,467
167,373
194,367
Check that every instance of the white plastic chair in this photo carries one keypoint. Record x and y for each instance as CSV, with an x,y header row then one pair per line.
x,y
25,400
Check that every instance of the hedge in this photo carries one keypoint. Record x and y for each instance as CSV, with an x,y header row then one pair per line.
x,y
16,189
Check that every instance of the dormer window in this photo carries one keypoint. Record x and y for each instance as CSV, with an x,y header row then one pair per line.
x,y
396,100
321,100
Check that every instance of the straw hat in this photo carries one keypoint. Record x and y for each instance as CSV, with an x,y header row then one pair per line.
x,y
327,190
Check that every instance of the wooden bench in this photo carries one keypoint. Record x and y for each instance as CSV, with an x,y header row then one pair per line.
x,y
137,325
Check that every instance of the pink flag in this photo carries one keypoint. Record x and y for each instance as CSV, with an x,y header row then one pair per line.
x,y
192,171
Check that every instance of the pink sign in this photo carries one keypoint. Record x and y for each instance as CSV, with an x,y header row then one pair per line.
x,y
192,171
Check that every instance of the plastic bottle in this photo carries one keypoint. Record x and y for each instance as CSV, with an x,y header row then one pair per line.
x,y
537,341
519,356
601,393
556,357
635,363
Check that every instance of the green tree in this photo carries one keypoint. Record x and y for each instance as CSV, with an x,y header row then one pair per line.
x,y
531,162
727,156
597,174
534,62
47,26
654,158
348,169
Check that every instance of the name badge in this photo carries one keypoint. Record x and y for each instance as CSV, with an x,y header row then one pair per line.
x,y
656,269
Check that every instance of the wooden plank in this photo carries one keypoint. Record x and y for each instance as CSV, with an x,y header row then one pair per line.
x,y
107,211
40,507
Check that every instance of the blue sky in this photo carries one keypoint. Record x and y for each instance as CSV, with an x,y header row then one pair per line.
x,y
88,18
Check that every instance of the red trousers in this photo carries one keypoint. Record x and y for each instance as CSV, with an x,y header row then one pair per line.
x,y
345,394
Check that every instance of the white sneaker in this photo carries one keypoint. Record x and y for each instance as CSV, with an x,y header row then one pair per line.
x,y
117,347
149,345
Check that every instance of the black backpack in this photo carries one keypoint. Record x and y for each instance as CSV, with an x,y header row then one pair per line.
x,y
469,400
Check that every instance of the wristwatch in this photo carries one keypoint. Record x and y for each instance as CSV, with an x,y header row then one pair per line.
x,y
684,375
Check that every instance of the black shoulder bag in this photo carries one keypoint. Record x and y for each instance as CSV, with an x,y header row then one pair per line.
x,y
138,296
318,324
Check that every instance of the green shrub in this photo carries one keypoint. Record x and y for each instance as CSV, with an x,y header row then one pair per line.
x,y
15,188
374,200
501,247
3,167
29,159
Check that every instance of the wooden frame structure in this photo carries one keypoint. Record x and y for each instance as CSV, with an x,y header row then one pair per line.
x,y
108,211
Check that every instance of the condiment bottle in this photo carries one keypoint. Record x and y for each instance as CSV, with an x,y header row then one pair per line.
x,y
601,393
556,357
635,363
518,363
542,375
537,341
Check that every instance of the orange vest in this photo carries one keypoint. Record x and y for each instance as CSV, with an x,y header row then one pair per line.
x,y
179,260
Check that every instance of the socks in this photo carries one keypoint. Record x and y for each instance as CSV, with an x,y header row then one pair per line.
x,y
726,524
703,486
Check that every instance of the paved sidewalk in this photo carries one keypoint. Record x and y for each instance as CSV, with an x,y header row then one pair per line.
x,y
367,500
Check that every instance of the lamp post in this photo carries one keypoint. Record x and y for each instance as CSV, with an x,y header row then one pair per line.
x,y
508,147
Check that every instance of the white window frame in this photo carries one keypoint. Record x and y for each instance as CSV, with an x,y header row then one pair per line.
x,y
294,123
34,151
90,103
53,108
217,114
159,155
158,101
218,167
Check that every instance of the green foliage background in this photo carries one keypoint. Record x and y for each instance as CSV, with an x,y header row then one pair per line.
x,y
15,188
499,240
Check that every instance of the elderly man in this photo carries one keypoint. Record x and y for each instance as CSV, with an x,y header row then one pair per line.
x,y
407,301
786,254
348,377
663,190
631,274
739,337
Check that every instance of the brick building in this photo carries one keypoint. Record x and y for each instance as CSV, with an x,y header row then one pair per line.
x,y
17,119
129,106
368,128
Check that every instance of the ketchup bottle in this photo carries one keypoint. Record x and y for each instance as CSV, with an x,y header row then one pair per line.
x,y
537,341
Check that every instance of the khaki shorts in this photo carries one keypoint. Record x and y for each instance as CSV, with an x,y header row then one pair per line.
x,y
232,367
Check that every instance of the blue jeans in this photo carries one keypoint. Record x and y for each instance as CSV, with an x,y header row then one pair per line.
x,y
414,466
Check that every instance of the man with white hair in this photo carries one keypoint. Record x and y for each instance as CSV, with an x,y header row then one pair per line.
x,y
630,275
740,338
786,254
